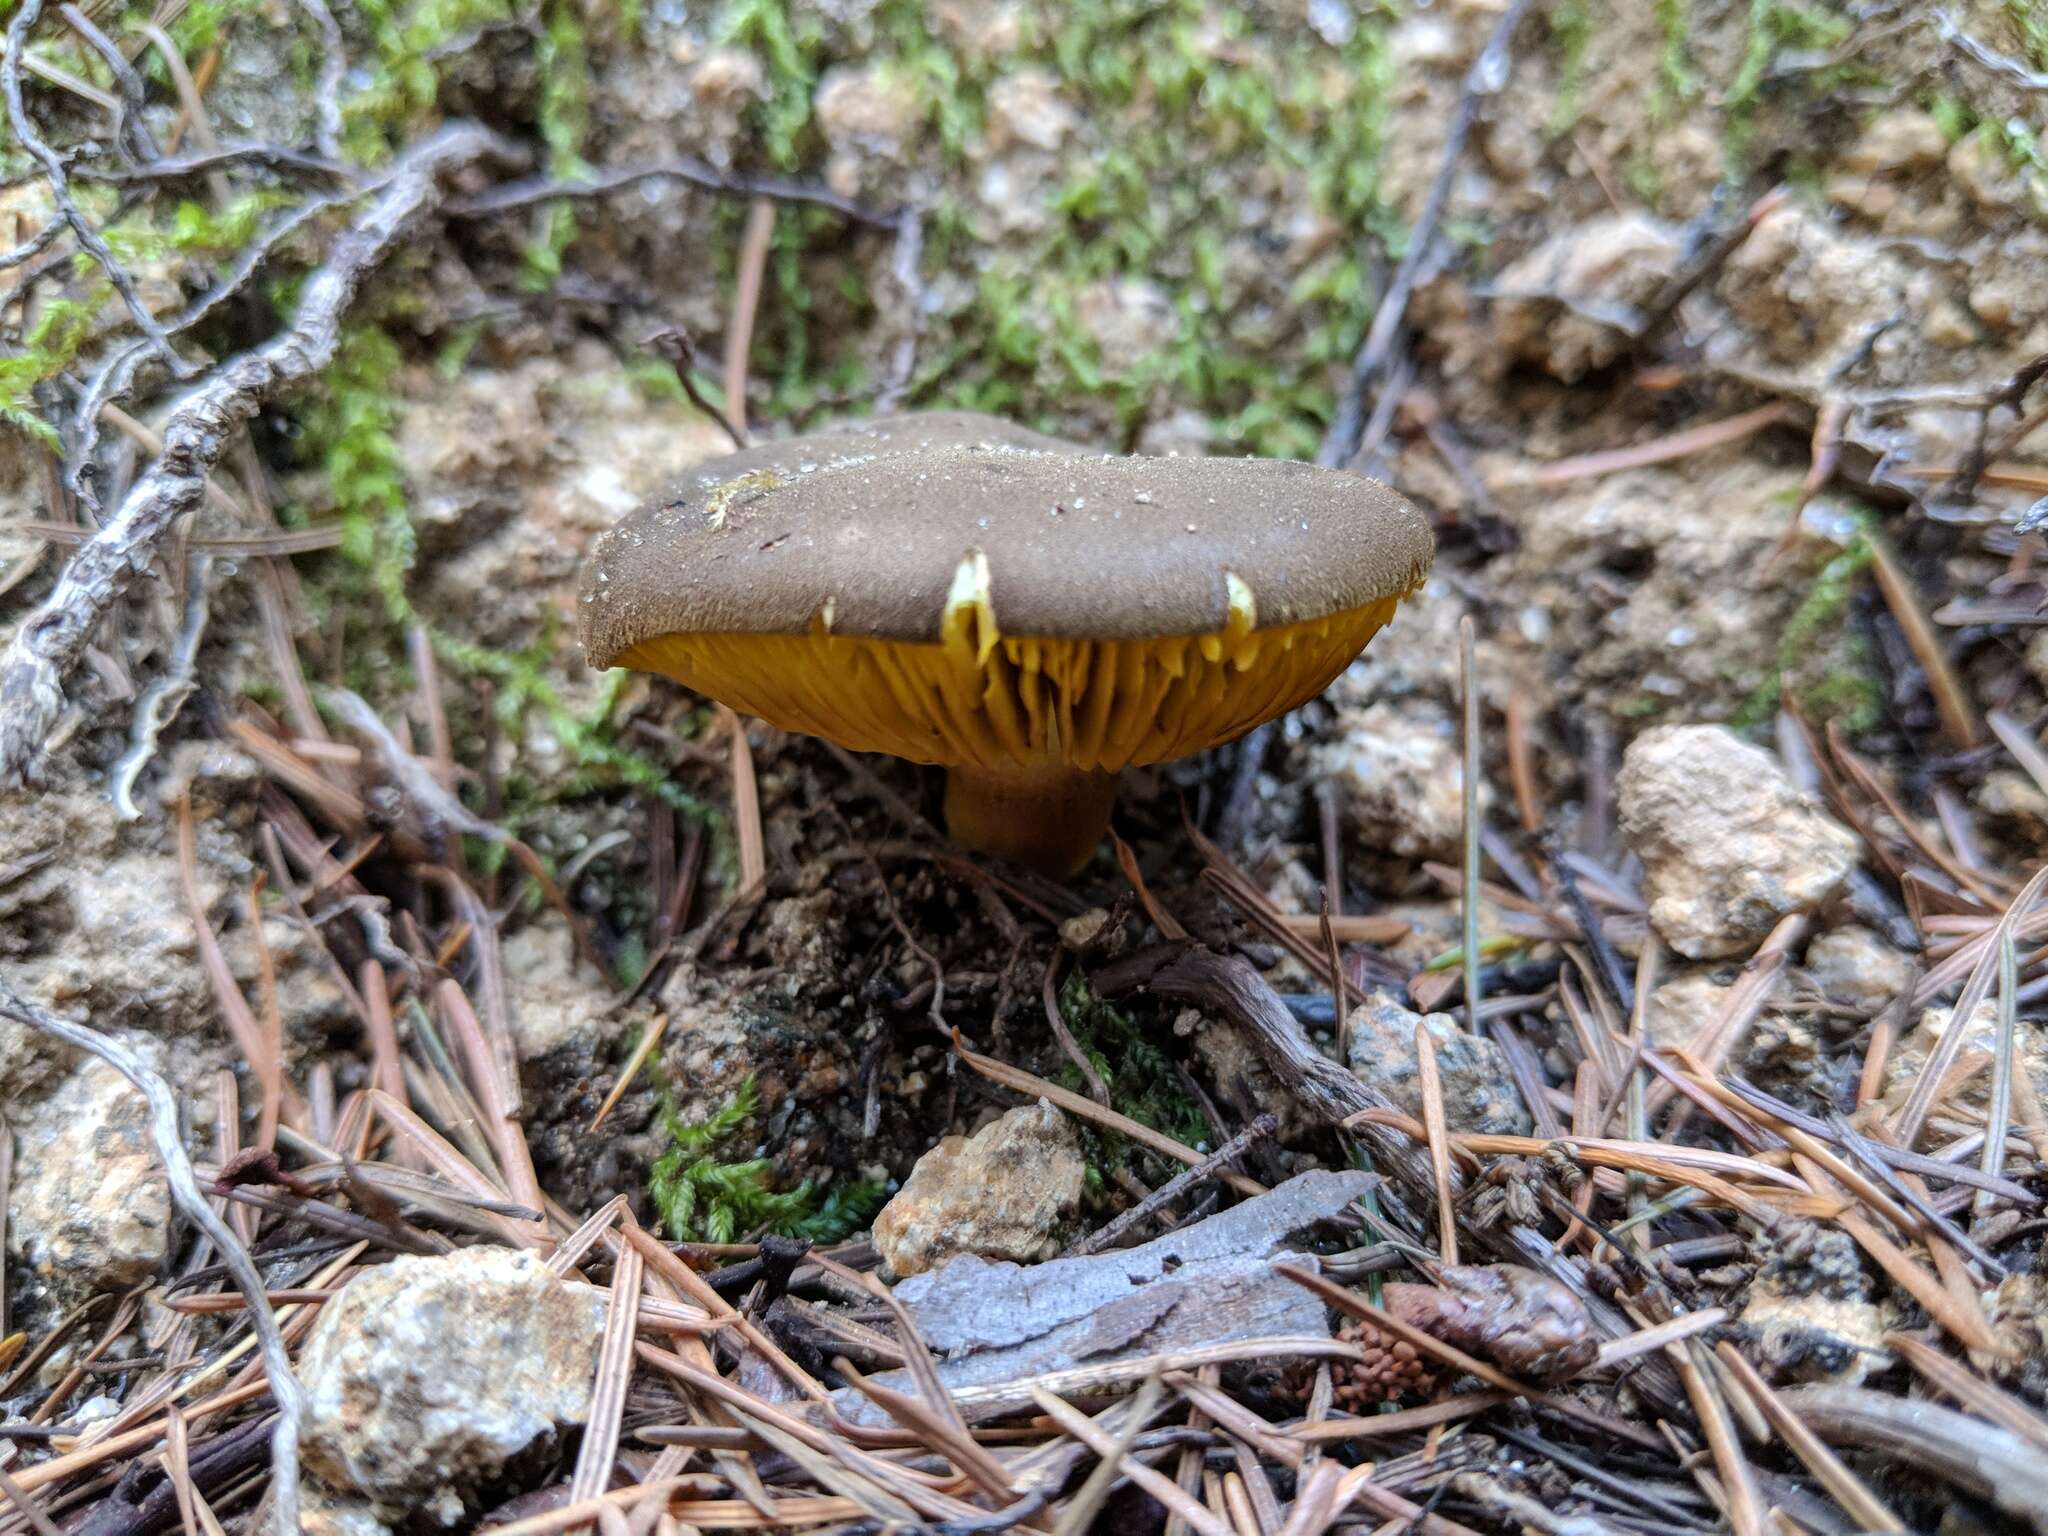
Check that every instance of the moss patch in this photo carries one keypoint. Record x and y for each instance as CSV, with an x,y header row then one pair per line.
x,y
1186,107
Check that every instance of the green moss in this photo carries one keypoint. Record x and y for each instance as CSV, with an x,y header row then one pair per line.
x,y
1677,81
701,1199
1954,116
61,328
347,424
786,39
1774,27
2017,141
1847,690
1571,35
1141,1080
399,78
564,120
1644,180
2029,20
1176,97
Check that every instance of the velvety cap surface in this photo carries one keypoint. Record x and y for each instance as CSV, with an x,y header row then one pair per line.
x,y
875,540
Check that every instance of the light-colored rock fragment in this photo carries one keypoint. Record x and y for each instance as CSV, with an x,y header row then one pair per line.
x,y
90,1209
427,1375
1909,1056
1026,107
1002,1193
1685,1005
1856,968
1907,139
1479,1090
1400,776
1808,1315
1728,845
554,1010
1571,304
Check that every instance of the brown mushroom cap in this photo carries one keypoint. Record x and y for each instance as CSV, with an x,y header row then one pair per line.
x,y
867,438
952,589
873,543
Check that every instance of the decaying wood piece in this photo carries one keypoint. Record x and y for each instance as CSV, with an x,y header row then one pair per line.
x,y
1991,1462
1213,1283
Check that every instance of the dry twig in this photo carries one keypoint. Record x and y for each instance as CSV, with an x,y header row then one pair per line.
x,y
202,424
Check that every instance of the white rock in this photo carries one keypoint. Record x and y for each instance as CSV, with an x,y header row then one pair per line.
x,y
1905,139
865,110
1401,778
90,1209
1564,305
1903,1066
1858,969
1728,845
1026,108
1002,1193
426,1375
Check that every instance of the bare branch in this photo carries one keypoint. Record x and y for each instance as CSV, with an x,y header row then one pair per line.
x,y
2002,65
132,127
544,189
271,157
333,65
201,425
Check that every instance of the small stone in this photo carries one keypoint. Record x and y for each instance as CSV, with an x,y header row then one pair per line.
x,y
1686,1003
426,1376
2009,796
1128,319
1946,323
1401,777
1858,969
555,1012
1729,846
865,111
1567,305
1479,1089
1982,169
1904,140
90,1208
986,29
1809,1316
1909,1056
728,80
1002,1193
1085,930
1026,107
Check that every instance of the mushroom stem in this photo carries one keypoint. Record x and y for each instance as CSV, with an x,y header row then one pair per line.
x,y
1049,819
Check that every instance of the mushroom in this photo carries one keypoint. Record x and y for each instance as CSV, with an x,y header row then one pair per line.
x,y
952,589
